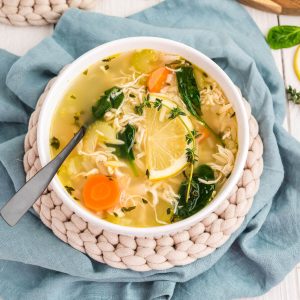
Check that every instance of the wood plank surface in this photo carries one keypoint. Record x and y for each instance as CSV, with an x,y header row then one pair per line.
x,y
285,7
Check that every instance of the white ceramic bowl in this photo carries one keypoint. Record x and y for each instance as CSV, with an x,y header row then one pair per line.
x,y
61,85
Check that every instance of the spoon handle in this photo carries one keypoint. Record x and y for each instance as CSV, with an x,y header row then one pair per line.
x,y
19,204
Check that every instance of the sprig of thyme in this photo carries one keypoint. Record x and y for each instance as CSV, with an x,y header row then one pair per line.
x,y
293,95
191,136
147,101
139,109
191,155
158,104
175,112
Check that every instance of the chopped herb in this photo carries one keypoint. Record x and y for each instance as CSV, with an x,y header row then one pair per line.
x,y
147,173
85,72
106,67
73,97
232,115
144,201
191,156
132,95
54,142
127,209
158,104
69,189
109,177
191,136
168,210
175,112
115,214
139,109
77,118
147,101
293,95
108,59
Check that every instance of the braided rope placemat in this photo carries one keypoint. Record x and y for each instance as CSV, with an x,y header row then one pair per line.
x,y
144,254
37,12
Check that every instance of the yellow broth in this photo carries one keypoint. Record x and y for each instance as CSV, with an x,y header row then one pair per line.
x,y
74,110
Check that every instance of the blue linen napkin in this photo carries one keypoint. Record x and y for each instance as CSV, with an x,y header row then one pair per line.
x,y
34,264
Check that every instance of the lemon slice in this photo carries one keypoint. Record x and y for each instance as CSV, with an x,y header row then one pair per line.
x,y
297,62
165,140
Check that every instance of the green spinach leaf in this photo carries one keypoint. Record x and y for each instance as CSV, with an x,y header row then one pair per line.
x,y
188,90
200,193
190,95
125,150
112,98
283,36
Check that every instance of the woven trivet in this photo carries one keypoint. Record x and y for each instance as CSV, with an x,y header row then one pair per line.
x,y
144,254
37,12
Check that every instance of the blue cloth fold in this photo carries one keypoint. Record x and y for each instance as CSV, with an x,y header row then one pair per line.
x,y
34,264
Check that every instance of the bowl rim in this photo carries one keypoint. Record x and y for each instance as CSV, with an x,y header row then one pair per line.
x,y
43,135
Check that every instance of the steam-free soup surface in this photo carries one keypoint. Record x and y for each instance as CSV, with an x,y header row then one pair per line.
x,y
161,138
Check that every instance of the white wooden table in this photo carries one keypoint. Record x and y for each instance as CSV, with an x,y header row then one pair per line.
x,y
20,39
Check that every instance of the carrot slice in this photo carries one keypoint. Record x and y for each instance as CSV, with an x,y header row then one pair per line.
x,y
204,134
157,79
100,192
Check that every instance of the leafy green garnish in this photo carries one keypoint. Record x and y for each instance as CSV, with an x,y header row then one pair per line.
x,y
127,209
191,155
158,104
69,189
191,136
147,101
125,150
200,193
54,142
112,98
188,90
139,109
175,112
190,95
127,136
293,95
283,36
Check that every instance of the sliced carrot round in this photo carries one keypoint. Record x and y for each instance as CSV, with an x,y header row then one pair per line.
x,y
100,192
157,79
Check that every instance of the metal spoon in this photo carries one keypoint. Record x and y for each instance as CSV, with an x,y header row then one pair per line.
x,y
19,204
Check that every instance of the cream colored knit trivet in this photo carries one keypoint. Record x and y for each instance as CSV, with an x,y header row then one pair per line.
x,y
144,254
37,12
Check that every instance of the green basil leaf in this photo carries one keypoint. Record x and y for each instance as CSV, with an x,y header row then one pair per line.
x,y
283,36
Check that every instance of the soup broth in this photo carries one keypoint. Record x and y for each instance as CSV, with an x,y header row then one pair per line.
x,y
161,138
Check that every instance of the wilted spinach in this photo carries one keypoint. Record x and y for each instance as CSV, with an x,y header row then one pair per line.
x,y
200,193
125,150
112,98
188,90
283,36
